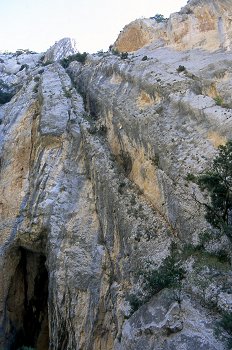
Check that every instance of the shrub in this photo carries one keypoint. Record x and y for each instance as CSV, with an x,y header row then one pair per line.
x,y
190,177
100,53
181,69
115,52
156,160
121,187
92,129
222,256
5,97
218,100
126,162
42,58
67,93
135,302
102,130
226,324
124,55
79,57
217,181
189,11
159,18
169,275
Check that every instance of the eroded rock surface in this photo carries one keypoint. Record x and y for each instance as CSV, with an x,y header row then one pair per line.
x,y
94,166
61,49
204,24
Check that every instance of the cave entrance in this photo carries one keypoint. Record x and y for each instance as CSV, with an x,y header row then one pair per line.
x,y
26,306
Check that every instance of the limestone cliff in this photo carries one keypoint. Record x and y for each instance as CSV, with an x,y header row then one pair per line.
x,y
93,180
204,24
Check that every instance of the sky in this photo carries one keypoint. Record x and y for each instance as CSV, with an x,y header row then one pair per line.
x,y
37,24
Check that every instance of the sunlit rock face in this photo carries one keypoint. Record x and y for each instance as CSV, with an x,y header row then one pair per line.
x,y
94,190
139,33
200,24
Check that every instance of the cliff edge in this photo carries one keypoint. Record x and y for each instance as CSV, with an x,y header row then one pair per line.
x,y
200,24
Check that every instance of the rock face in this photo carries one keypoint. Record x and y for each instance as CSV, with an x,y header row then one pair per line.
x,y
94,192
204,24
138,34
61,49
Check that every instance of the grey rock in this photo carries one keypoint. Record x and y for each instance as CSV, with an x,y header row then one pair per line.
x,y
61,49
93,192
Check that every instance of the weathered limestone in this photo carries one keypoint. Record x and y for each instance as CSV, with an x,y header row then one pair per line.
x,y
63,48
200,24
93,190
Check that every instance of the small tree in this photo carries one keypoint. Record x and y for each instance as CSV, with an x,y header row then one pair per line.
x,y
159,18
218,183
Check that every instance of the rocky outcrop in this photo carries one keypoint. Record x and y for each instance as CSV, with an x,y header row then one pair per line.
x,y
94,193
200,24
159,121
139,33
61,49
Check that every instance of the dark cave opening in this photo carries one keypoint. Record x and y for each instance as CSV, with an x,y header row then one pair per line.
x,y
26,306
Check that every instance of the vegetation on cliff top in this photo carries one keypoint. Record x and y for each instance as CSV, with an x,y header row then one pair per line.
x,y
159,18
79,57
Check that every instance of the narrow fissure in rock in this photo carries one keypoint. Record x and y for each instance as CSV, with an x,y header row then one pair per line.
x,y
26,307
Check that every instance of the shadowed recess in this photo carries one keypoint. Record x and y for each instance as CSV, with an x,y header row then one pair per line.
x,y
26,307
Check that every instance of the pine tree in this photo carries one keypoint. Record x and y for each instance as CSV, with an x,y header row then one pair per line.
x,y
217,181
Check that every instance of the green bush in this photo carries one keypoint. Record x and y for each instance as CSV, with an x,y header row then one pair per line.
x,y
217,181
190,177
181,69
159,18
135,301
218,100
169,275
115,52
124,55
5,97
79,57
226,324
67,93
